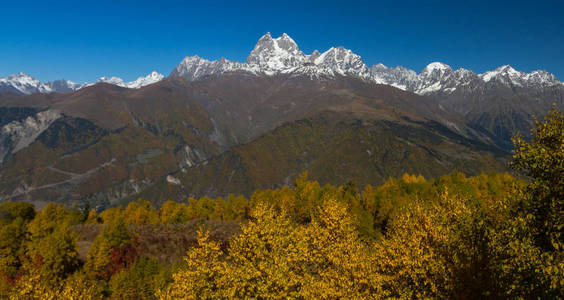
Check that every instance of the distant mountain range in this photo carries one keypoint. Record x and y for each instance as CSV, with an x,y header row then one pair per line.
x,y
24,84
215,127
275,56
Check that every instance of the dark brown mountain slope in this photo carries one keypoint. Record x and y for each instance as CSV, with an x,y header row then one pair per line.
x,y
334,147
112,143
502,110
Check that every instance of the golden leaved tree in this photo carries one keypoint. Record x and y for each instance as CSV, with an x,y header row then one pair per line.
x,y
202,276
439,249
275,257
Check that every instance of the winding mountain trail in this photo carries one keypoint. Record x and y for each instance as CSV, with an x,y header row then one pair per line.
x,y
75,179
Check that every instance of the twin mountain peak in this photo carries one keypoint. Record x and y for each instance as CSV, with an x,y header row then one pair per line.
x,y
282,56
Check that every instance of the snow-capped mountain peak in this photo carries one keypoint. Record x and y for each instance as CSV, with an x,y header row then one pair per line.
x,y
281,55
505,70
379,66
63,86
398,77
436,66
286,42
271,56
112,80
24,79
342,61
194,67
507,75
275,55
541,77
143,81
434,77
22,83
138,83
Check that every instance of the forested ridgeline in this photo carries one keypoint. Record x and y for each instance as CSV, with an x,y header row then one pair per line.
x,y
488,236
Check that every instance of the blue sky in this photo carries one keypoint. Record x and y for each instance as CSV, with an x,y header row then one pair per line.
x,y
84,40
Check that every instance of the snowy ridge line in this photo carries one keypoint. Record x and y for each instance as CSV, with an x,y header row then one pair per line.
x,y
138,83
22,83
272,56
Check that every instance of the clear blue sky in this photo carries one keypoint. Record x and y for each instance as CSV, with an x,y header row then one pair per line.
x,y
83,40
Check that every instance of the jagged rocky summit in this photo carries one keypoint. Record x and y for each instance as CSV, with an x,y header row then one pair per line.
x,y
22,83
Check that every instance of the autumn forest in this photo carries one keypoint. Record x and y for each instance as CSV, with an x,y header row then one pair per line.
x,y
496,235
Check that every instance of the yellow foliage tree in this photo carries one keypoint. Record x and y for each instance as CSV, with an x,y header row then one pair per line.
x,y
275,257
111,214
93,218
334,262
113,235
78,286
51,249
140,212
261,259
411,258
33,286
202,276
173,213
442,248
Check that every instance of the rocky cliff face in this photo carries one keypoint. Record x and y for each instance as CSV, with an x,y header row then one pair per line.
x,y
18,134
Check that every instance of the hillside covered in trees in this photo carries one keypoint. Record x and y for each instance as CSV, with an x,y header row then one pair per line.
x,y
487,236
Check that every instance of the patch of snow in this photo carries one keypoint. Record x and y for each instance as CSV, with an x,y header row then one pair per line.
x,y
431,88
